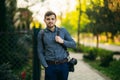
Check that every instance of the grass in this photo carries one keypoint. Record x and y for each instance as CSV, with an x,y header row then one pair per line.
x,y
113,71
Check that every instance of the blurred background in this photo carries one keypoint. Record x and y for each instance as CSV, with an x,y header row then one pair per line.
x,y
94,25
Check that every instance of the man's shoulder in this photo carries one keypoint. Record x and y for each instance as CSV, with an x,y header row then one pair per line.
x,y
61,28
41,32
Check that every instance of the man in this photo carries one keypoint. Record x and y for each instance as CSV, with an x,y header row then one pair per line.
x,y
52,54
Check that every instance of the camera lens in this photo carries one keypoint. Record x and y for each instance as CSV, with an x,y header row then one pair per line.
x,y
73,61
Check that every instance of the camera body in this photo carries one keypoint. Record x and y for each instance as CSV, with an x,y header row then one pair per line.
x,y
71,64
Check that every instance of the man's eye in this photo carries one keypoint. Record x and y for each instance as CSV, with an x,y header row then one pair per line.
x,y
48,19
53,19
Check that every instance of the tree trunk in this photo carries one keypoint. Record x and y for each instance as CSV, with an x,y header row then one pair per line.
x,y
106,37
79,19
112,38
97,41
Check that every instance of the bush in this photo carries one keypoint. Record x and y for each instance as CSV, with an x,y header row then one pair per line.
x,y
114,70
91,55
105,58
116,52
6,73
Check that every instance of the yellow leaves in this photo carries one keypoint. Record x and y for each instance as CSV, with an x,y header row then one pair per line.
x,y
35,24
84,19
102,2
83,5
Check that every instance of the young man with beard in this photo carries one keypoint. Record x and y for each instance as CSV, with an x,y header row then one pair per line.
x,y
52,54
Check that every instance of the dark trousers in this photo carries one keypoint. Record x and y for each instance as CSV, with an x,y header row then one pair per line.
x,y
57,72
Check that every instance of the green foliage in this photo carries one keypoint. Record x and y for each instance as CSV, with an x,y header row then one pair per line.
x,y
26,72
13,51
6,73
13,48
102,19
29,72
92,53
106,57
113,71
84,49
70,22
116,52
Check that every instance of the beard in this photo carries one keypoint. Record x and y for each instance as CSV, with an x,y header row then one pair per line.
x,y
50,25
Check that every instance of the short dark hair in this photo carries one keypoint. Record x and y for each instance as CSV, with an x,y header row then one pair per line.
x,y
48,13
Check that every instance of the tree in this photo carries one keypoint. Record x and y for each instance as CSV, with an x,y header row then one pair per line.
x,y
114,6
102,20
96,21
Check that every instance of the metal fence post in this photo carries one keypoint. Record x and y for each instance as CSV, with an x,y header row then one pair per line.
x,y
36,62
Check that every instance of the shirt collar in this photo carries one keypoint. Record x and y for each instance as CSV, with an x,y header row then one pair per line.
x,y
55,29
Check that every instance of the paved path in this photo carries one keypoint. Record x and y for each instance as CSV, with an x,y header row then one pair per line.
x,y
104,46
83,71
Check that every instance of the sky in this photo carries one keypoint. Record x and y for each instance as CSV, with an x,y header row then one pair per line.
x,y
39,8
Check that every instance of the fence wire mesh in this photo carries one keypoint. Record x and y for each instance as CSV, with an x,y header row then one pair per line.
x,y
16,55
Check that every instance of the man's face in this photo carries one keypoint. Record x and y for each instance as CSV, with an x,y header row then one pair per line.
x,y
50,21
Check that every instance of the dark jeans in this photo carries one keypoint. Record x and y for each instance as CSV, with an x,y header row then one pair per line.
x,y
56,72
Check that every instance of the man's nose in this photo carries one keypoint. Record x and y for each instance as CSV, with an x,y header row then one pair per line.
x,y
51,20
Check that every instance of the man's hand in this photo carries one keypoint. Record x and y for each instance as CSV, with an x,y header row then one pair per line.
x,y
59,39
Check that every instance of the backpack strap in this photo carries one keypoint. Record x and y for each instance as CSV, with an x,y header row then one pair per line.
x,y
58,31
58,34
42,36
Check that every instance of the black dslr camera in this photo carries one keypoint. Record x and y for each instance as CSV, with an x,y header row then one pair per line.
x,y
71,64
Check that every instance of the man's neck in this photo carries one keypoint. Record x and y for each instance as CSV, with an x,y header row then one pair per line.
x,y
52,28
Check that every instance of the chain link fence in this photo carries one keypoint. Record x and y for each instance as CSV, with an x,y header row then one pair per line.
x,y
16,55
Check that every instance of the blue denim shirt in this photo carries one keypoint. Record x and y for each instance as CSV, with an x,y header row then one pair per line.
x,y
53,50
